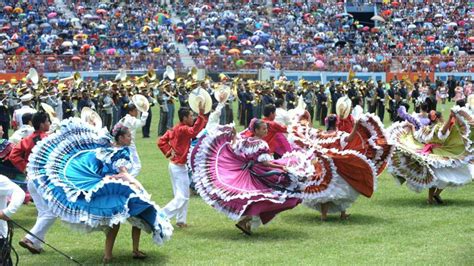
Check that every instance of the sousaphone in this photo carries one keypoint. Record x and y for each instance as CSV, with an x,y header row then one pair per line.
x,y
169,73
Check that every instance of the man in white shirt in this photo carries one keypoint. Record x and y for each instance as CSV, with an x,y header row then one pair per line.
x,y
25,130
17,195
131,121
25,108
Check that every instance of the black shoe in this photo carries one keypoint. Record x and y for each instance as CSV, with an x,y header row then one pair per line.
x,y
438,199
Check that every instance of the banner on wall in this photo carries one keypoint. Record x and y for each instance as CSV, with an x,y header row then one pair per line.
x,y
412,76
9,76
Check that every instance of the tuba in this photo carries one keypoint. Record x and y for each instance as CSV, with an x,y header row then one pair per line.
x,y
121,76
169,73
193,73
33,77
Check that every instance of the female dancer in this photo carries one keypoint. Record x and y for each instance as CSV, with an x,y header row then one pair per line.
x,y
436,156
347,164
85,180
239,177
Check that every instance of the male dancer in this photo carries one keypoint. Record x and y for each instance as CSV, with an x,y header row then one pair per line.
x,y
19,158
175,146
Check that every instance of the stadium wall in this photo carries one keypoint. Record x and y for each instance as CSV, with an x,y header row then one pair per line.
x,y
291,75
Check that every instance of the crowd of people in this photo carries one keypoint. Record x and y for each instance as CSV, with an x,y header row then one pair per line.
x,y
420,36
404,36
85,37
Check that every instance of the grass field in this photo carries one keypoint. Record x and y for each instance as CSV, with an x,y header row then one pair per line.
x,y
395,226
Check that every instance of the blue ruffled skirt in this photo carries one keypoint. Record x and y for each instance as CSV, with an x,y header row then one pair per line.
x,y
70,168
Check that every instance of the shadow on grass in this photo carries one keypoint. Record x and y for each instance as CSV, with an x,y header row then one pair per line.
x,y
90,256
420,202
268,233
334,220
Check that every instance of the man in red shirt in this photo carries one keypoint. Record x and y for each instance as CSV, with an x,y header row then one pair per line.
x,y
175,145
19,158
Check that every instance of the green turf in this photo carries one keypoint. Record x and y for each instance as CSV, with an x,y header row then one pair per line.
x,y
395,226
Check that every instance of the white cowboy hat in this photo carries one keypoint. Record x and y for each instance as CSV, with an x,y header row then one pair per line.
x,y
222,89
200,95
343,107
91,117
141,102
49,110
470,101
27,97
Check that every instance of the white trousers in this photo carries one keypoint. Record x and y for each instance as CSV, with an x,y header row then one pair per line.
x,y
137,165
178,206
45,217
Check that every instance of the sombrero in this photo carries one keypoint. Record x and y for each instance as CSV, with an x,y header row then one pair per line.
x,y
91,117
49,110
222,89
470,102
343,107
141,102
200,95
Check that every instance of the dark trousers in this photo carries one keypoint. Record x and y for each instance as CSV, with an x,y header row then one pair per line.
x,y
310,110
162,123
146,127
380,111
322,115
108,121
5,250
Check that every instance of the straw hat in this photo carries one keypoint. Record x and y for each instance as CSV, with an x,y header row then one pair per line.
x,y
49,110
89,116
200,95
470,101
222,89
343,107
141,102
27,97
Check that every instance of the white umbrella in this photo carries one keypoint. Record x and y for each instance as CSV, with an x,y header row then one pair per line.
x,y
452,24
75,20
377,18
411,27
259,46
247,52
204,48
438,16
66,44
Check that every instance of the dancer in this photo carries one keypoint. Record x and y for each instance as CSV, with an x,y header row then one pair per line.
x,y
19,157
436,156
131,121
347,164
175,146
275,137
85,180
11,198
238,176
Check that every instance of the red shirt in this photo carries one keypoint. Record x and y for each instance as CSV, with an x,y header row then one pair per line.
x,y
273,129
179,139
21,152
345,124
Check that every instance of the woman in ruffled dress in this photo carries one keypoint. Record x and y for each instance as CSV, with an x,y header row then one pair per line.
x,y
436,156
239,177
86,181
347,164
